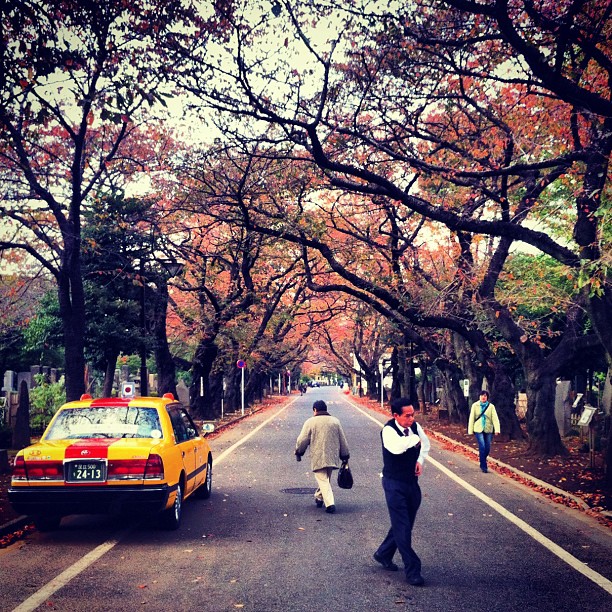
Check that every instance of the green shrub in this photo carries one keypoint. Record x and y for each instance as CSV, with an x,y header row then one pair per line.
x,y
45,400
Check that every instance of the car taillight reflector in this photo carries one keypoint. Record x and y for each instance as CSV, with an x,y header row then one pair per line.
x,y
136,469
126,469
19,469
38,470
155,467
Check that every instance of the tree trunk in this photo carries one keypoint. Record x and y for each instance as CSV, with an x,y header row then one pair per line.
x,y
469,367
234,391
201,402
422,386
544,437
72,313
607,410
396,387
503,396
21,431
166,369
373,385
453,399
109,374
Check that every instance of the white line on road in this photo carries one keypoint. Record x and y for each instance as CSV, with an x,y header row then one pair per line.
x,y
568,558
38,598
91,557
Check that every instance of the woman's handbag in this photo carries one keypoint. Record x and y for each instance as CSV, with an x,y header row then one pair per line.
x,y
345,477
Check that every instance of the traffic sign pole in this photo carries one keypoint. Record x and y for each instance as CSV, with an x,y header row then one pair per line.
x,y
242,365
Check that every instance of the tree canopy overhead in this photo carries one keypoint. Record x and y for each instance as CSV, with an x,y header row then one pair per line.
x,y
474,115
475,118
398,153
75,81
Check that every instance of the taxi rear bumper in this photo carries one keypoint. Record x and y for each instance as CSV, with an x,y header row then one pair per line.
x,y
64,500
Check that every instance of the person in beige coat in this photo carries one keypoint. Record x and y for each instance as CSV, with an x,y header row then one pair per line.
x,y
328,448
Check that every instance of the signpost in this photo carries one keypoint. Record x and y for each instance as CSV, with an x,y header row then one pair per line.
x,y
383,362
586,420
242,365
223,396
382,380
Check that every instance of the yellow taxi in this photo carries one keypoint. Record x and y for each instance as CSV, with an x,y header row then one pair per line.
x,y
113,455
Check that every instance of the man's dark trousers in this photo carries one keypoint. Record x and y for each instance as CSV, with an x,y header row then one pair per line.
x,y
403,501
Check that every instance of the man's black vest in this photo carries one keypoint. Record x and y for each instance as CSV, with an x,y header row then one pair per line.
x,y
400,467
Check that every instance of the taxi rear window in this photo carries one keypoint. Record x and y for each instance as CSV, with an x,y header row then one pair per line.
x,y
106,422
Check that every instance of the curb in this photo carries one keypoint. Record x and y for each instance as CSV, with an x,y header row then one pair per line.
x,y
15,525
524,475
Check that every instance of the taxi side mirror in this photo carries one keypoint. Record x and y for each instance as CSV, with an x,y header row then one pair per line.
x,y
208,427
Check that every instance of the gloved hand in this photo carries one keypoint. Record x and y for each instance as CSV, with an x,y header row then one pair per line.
x,y
298,457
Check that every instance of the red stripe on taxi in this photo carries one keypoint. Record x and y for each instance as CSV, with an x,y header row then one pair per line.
x,y
90,449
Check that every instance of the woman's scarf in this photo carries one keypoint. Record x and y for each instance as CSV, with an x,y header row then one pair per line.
x,y
483,408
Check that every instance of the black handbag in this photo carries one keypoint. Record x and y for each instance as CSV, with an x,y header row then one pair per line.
x,y
345,476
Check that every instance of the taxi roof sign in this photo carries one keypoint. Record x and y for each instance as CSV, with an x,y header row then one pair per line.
x,y
128,389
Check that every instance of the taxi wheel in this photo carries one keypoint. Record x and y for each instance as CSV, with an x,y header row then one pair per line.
x,y
47,523
205,489
171,518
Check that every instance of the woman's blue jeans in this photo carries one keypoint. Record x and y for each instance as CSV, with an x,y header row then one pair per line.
x,y
484,448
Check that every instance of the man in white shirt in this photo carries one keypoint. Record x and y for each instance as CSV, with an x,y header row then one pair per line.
x,y
405,448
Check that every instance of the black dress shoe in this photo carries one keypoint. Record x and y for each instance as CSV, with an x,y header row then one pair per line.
x,y
416,581
330,509
319,503
388,565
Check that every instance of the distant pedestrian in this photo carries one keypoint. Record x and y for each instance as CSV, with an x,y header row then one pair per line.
x,y
483,423
328,448
405,448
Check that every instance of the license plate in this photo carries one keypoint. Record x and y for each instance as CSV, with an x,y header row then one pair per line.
x,y
86,471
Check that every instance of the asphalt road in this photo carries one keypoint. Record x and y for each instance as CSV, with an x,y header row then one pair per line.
x,y
260,544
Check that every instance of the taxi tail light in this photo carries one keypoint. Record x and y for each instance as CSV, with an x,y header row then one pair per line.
x,y
155,467
38,470
136,469
19,469
126,469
